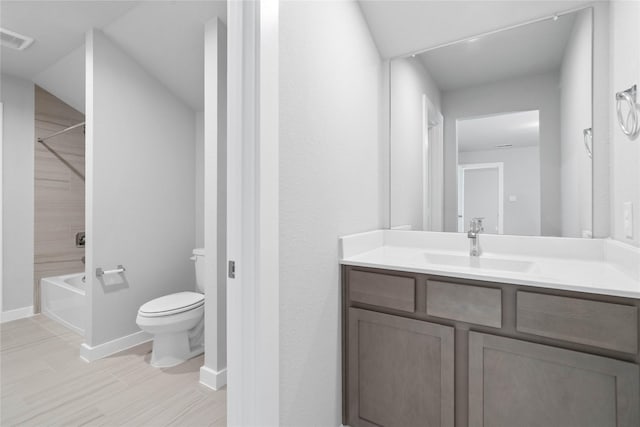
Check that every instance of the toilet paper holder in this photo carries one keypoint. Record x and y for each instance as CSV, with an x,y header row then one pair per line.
x,y
101,272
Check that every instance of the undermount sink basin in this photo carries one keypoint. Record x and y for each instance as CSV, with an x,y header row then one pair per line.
x,y
479,263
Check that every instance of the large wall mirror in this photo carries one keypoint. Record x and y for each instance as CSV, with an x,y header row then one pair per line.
x,y
496,126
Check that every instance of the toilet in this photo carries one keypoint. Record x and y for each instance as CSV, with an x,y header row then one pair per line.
x,y
176,322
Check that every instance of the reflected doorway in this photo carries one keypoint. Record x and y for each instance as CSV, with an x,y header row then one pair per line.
x,y
499,172
480,191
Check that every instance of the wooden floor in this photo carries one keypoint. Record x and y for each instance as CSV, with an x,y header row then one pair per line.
x,y
44,383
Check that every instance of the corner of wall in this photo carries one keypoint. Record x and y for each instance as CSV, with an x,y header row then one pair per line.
x,y
18,134
66,79
384,136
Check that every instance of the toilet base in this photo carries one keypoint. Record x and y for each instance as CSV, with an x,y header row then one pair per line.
x,y
172,349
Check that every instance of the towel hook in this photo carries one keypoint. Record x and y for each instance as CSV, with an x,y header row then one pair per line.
x,y
631,125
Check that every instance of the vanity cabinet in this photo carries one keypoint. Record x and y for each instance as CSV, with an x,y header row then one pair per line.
x,y
422,350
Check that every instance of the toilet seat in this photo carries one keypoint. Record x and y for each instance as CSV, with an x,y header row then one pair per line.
x,y
172,304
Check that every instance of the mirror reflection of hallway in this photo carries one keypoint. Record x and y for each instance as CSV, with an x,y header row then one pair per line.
x,y
543,68
481,189
500,171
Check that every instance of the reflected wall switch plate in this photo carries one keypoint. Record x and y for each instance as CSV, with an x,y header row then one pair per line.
x,y
628,219
513,198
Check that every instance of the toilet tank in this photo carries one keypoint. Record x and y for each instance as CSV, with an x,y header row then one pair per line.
x,y
198,258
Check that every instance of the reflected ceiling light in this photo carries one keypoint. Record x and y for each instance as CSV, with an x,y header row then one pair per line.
x,y
555,17
14,40
473,40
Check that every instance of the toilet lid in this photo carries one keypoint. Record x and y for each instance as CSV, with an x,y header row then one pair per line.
x,y
172,304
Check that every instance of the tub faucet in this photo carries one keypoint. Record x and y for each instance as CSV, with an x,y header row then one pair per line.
x,y
475,227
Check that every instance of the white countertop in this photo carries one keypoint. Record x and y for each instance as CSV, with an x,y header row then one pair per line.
x,y
600,266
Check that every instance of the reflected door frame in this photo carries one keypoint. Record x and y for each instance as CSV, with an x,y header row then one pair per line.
x,y
432,169
474,166
1,206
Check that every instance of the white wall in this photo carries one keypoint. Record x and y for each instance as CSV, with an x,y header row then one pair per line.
x,y
140,190
65,79
17,96
409,81
1,202
199,177
330,89
537,92
625,153
576,97
215,204
601,117
521,179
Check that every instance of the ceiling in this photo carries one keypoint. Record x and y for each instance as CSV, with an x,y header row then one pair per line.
x,y
57,26
402,27
165,37
528,49
521,129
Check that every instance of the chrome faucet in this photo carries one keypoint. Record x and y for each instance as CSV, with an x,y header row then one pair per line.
x,y
475,227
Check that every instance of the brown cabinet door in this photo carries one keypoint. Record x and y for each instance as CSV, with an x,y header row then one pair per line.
x,y
517,383
400,371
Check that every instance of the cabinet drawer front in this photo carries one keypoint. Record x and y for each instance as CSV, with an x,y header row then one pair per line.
x,y
384,290
600,324
472,304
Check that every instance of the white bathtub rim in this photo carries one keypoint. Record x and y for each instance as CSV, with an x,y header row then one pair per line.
x,y
81,283
63,302
60,281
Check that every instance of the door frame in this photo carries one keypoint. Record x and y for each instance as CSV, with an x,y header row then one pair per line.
x,y
462,168
1,208
427,182
432,170
253,349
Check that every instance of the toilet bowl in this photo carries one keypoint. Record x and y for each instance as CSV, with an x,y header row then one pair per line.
x,y
176,322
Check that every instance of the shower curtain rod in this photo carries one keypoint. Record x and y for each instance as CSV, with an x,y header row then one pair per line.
x,y
61,132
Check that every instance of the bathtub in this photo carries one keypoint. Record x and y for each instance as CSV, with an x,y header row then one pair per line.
x,y
63,300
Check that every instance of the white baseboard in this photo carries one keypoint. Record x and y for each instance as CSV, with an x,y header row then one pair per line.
x,y
18,313
213,379
89,354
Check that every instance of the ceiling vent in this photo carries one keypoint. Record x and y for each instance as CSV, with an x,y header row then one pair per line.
x,y
14,40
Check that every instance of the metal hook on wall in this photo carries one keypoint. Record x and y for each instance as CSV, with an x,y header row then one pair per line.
x,y
631,125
